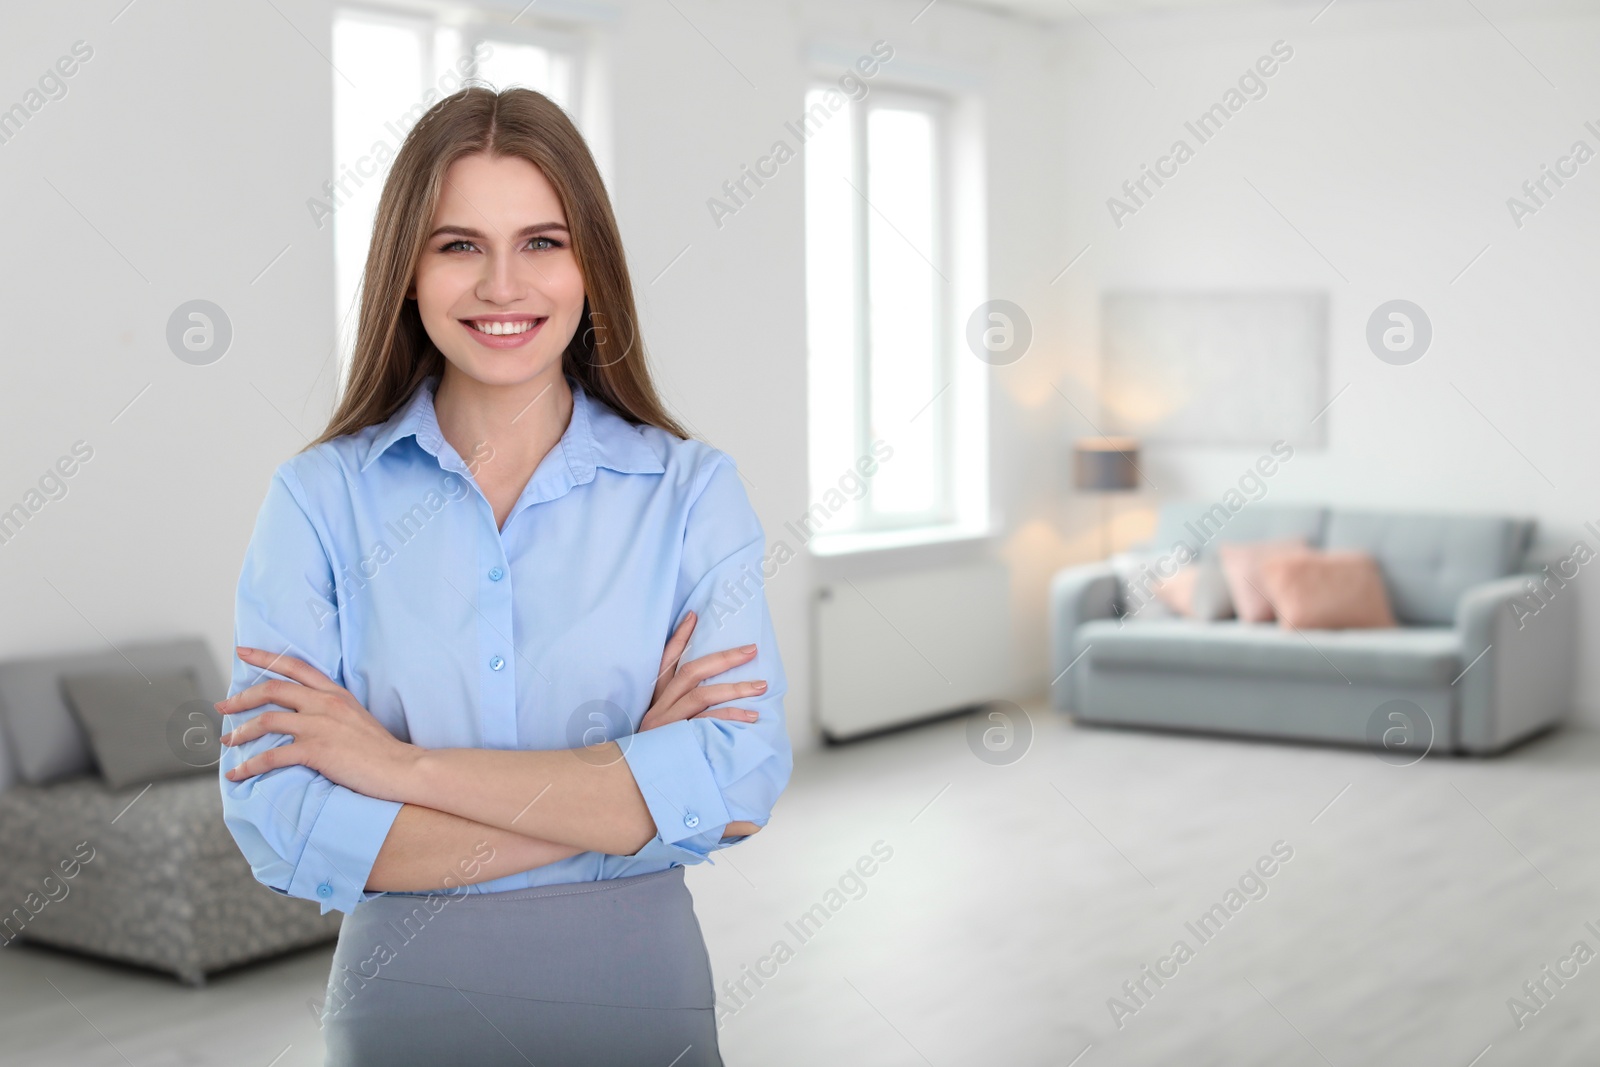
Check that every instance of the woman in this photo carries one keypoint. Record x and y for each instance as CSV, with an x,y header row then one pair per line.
x,y
452,715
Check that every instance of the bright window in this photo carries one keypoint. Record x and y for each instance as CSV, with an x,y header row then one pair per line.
x,y
879,303
389,69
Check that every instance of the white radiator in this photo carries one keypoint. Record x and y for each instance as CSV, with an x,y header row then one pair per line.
x,y
890,650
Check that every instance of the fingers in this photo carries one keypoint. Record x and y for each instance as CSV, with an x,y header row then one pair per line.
x,y
268,722
740,829
696,671
680,638
286,665
271,759
702,697
730,714
272,691
673,652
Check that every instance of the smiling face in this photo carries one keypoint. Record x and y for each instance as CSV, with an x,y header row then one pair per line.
x,y
497,284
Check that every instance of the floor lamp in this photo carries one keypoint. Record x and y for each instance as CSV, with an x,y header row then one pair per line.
x,y
1105,465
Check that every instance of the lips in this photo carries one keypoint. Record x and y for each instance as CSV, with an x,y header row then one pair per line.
x,y
505,330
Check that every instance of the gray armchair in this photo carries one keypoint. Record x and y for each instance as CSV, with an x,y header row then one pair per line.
x,y
149,876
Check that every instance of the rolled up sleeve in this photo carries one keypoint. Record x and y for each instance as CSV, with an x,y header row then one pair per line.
x,y
303,835
700,774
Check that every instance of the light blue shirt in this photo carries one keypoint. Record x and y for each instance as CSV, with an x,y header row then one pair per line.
x,y
376,559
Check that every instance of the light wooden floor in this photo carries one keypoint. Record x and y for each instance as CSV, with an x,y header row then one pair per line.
x,y
1019,898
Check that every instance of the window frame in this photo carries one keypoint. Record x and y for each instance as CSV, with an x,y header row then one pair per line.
x,y
568,45
939,108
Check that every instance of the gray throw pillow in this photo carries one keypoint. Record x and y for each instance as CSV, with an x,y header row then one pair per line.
x,y
146,727
1136,582
1212,601
1138,573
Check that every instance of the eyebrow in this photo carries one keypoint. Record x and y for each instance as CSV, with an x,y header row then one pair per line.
x,y
526,231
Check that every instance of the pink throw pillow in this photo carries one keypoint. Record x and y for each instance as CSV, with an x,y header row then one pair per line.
x,y
1177,592
1241,565
1328,591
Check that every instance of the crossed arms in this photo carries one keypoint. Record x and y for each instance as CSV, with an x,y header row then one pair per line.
x,y
463,802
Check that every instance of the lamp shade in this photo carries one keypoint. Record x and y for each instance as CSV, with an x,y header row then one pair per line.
x,y
1105,464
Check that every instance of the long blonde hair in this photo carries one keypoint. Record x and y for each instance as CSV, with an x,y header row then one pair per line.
x,y
393,353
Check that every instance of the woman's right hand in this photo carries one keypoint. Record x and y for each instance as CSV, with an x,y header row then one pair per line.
x,y
679,694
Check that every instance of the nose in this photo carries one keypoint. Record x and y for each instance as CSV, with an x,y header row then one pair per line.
x,y
502,281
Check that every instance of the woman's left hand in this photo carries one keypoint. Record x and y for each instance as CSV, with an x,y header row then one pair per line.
x,y
333,734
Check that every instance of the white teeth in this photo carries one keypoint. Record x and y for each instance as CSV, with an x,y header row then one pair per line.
x,y
502,328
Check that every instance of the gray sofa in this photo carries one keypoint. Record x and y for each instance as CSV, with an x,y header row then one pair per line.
x,y
144,876
1482,672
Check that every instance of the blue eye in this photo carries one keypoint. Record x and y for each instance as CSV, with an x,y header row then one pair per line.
x,y
461,244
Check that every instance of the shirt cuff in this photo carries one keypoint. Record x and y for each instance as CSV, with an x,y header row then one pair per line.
x,y
682,794
341,849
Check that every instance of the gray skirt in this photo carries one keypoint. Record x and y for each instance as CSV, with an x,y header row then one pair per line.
x,y
606,973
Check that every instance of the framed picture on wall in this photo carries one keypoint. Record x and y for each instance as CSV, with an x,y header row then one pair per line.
x,y
1215,368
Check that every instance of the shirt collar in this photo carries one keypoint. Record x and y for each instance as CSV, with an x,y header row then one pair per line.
x,y
596,436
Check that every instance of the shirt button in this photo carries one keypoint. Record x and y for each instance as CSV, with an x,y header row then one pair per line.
x,y
496,663
691,820
324,890
495,574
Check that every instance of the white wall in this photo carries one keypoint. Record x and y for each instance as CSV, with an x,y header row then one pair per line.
x,y
191,140
1391,141
184,152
